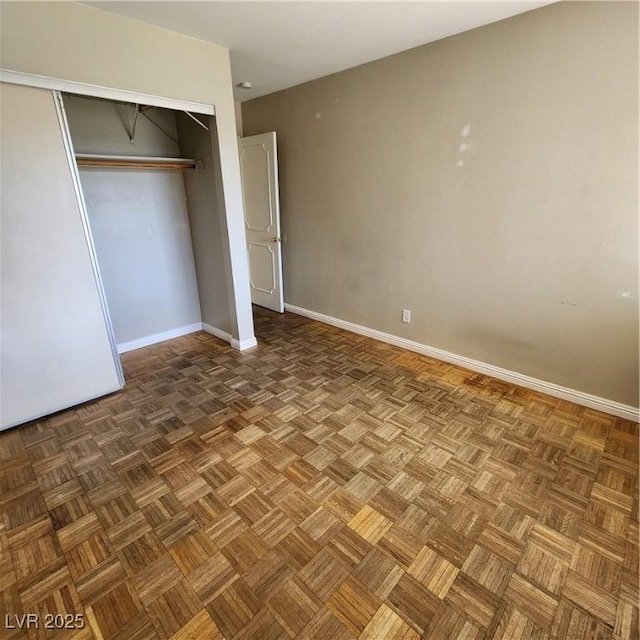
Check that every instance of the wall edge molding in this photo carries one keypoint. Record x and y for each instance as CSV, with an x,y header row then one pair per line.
x,y
154,338
98,91
557,391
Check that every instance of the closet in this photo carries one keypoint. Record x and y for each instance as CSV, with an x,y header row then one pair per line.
x,y
148,182
130,168
113,239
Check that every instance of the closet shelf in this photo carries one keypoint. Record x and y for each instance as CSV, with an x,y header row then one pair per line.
x,y
133,162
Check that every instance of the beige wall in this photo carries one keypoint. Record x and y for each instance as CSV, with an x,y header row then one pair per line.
x,y
238,108
206,220
488,182
73,42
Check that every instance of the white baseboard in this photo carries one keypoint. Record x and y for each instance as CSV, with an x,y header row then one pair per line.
x,y
218,333
557,391
159,337
241,345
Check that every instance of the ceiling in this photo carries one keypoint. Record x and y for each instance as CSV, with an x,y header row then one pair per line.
x,y
276,45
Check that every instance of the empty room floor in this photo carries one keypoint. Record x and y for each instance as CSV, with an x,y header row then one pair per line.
x,y
321,486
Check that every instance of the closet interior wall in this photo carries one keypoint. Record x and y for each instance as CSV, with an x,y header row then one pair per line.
x,y
208,223
156,231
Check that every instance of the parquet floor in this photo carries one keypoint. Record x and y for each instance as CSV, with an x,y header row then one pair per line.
x,y
321,486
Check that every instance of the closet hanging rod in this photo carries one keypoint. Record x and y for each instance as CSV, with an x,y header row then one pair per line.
x,y
134,162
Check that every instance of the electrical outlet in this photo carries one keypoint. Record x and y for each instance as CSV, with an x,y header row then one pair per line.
x,y
406,315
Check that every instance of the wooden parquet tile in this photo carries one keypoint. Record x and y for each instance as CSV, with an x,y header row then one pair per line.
x,y
321,486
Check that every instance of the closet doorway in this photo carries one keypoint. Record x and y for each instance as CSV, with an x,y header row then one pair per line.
x,y
149,182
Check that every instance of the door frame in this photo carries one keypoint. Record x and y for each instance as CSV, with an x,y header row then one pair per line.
x,y
98,91
274,196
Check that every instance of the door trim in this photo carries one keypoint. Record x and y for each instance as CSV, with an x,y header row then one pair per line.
x,y
98,91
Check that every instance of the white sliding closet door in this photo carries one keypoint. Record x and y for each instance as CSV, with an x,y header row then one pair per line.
x,y
56,349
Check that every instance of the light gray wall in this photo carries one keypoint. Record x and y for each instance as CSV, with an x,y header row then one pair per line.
x,y
55,349
488,182
139,220
210,245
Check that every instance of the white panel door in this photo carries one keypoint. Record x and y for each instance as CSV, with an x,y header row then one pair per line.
x,y
259,168
56,350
